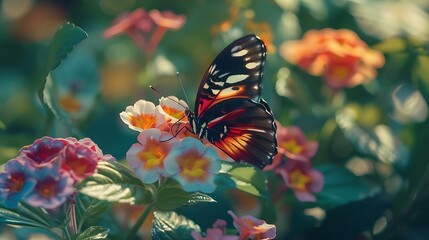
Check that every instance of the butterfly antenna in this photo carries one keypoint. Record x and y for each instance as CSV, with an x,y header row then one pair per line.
x,y
162,95
181,85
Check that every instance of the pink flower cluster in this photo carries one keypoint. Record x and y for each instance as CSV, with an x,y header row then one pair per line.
x,y
293,163
146,29
44,173
248,227
166,148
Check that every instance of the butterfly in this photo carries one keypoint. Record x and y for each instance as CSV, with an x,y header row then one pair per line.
x,y
229,111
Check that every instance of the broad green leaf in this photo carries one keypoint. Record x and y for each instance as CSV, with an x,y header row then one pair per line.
x,y
115,183
93,233
379,143
199,198
170,225
342,186
67,36
171,195
89,209
26,215
243,177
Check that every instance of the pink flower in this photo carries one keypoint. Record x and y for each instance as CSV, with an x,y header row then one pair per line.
x,y
339,55
52,188
147,158
167,19
293,144
218,232
16,182
193,164
146,30
87,142
143,115
253,228
79,161
132,22
43,151
302,179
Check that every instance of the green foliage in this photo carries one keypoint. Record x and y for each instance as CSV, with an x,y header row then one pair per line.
x,y
67,36
171,196
93,233
28,216
243,177
170,225
342,187
115,183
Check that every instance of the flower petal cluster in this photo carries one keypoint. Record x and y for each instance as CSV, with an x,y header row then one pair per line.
x,y
248,227
146,29
44,173
339,55
293,163
167,148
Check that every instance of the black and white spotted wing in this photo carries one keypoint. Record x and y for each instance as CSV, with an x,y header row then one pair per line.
x,y
229,110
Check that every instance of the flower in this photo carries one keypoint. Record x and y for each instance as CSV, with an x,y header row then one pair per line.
x,y
173,109
52,187
87,142
292,143
167,19
253,228
16,182
143,115
216,233
43,151
302,179
147,158
136,21
193,164
80,161
339,55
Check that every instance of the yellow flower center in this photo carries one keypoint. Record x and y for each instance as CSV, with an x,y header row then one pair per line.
x,y
70,103
193,166
298,180
340,72
143,121
153,156
174,112
292,146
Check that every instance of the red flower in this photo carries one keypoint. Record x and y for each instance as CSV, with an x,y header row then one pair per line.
x,y
43,151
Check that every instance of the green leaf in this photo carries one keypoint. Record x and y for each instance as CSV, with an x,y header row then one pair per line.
x,y
379,143
115,183
26,215
171,195
170,225
200,198
93,233
243,177
67,36
342,186
90,210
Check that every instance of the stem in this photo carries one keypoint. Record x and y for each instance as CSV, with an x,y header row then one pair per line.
x,y
133,231
73,224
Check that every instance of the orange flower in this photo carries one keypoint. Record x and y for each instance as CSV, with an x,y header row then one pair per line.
x,y
339,55
142,116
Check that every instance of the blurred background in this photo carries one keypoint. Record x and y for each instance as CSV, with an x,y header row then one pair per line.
x,y
110,70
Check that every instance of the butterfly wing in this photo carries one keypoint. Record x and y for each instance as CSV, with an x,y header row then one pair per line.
x,y
243,129
229,111
235,73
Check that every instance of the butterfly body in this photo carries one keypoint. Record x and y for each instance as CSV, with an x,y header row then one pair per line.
x,y
229,111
